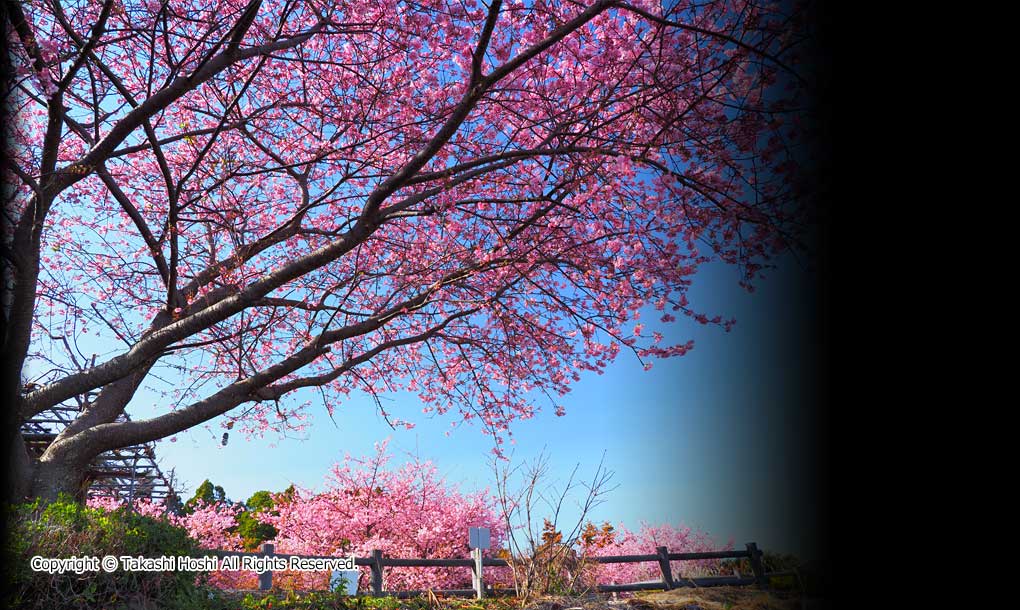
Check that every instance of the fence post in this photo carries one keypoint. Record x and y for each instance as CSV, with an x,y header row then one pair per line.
x,y
266,578
477,581
667,573
756,565
377,573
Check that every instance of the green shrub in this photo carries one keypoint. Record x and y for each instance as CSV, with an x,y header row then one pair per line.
x,y
770,561
252,531
67,529
290,600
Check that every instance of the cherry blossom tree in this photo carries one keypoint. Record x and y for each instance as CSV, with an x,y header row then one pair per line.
x,y
471,201
408,512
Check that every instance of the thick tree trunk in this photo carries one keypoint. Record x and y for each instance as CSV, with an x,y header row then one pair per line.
x,y
64,465
44,478
53,477
18,478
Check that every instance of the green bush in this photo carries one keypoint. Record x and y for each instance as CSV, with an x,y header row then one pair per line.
x,y
290,600
67,529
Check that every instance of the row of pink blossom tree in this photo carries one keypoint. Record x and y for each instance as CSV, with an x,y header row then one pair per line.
x,y
408,511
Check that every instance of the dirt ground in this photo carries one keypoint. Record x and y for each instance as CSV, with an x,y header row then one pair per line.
x,y
717,598
709,598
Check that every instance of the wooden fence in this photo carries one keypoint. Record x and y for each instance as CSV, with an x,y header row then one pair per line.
x,y
662,556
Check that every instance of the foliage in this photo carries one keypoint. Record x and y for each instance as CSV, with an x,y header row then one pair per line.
x,y
290,600
205,493
253,531
260,500
251,525
66,529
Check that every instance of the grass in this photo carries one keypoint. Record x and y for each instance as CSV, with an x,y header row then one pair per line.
x,y
707,598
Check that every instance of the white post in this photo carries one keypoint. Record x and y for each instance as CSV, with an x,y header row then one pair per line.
x,y
474,573
478,539
479,582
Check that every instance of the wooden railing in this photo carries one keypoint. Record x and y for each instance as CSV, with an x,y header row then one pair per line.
x,y
663,557
376,562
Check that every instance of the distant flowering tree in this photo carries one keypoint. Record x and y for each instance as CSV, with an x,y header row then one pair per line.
x,y
677,539
406,512
474,201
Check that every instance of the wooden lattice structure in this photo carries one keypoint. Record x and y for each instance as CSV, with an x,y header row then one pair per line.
x,y
127,474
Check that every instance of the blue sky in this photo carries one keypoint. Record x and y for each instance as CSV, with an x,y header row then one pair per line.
x,y
713,439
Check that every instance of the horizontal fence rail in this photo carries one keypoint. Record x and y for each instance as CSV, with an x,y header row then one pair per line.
x,y
377,562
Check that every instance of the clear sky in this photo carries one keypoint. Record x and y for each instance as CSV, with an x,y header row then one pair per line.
x,y
714,439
